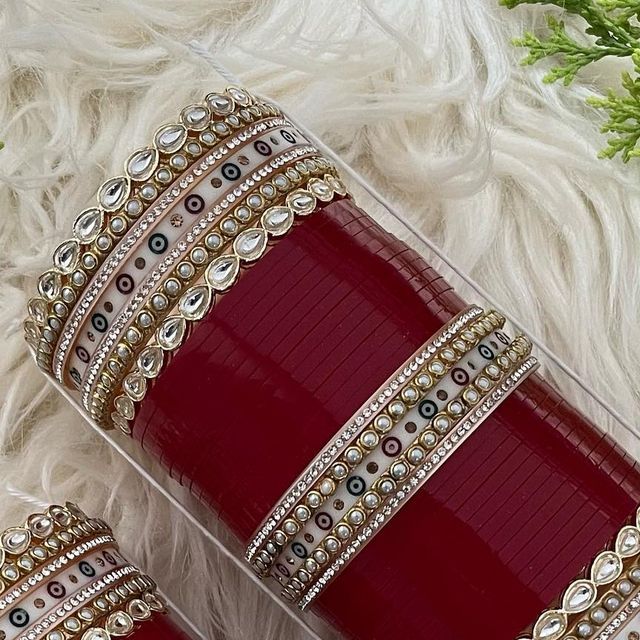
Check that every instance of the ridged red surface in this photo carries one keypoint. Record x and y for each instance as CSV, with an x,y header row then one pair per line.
x,y
296,347
159,627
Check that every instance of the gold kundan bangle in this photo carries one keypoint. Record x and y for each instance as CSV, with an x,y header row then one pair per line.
x,y
63,578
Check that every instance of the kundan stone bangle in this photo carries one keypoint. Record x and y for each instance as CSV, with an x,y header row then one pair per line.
x,y
123,199
64,578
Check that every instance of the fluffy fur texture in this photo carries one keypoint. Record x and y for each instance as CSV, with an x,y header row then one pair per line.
x,y
424,97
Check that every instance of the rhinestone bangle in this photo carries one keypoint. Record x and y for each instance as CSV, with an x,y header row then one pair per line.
x,y
427,391
377,417
430,446
136,324
220,276
602,603
123,199
85,589
156,244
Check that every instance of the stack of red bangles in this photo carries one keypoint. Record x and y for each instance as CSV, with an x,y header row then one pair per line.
x,y
385,451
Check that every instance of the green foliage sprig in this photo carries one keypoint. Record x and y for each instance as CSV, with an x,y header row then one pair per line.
x,y
614,27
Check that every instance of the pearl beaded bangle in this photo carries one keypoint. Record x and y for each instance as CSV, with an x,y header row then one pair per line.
x,y
409,472
220,275
83,586
123,199
159,245
603,603
412,396
135,327
426,393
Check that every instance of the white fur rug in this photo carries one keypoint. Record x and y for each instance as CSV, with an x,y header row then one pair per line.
x,y
424,97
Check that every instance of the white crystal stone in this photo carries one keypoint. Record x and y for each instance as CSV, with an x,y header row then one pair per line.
x,y
195,302
142,163
335,184
49,284
301,201
250,244
65,257
171,333
550,626
170,137
320,189
38,310
40,525
195,117
277,220
16,540
150,361
239,96
135,386
125,406
628,541
605,568
119,623
96,633
579,596
219,103
138,609
222,272
88,225
113,193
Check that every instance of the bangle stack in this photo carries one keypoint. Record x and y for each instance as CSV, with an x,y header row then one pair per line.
x,y
64,578
393,445
192,210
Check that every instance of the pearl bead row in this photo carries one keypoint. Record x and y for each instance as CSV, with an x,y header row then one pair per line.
x,y
588,602
123,199
219,277
387,393
207,247
432,437
426,381
415,481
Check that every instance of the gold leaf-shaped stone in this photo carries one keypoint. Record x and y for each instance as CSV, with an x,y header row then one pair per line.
x,y
135,386
220,104
277,220
96,633
88,225
301,202
40,525
16,540
38,310
579,596
628,541
196,117
150,361
142,163
65,257
119,623
60,514
336,184
113,193
239,96
320,189
125,406
171,332
195,302
606,568
49,284
138,609
550,626
250,244
170,137
222,272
